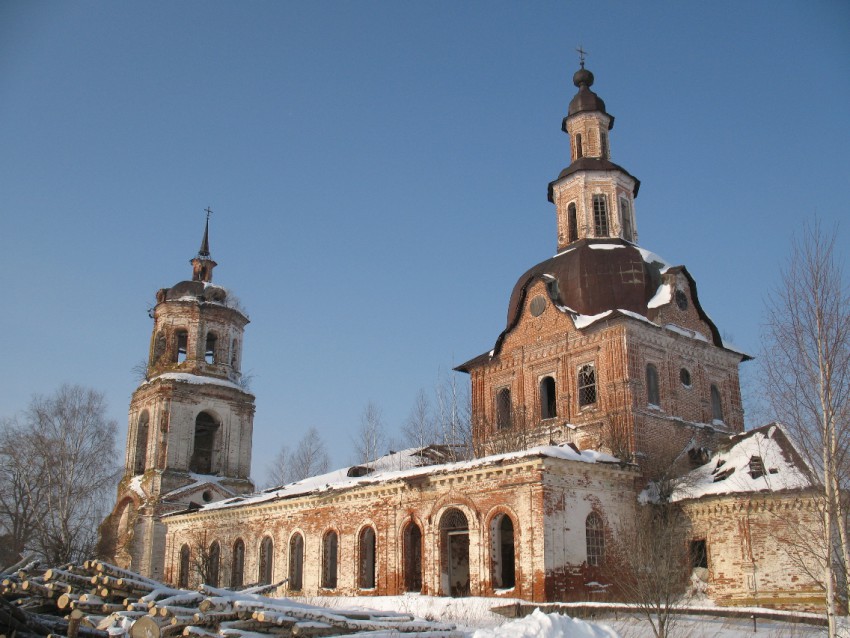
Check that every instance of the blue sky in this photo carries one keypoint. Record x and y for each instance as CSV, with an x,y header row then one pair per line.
x,y
378,173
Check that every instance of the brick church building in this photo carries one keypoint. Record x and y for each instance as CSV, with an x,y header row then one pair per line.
x,y
607,362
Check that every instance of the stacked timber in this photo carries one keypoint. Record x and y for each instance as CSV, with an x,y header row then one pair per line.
x,y
99,600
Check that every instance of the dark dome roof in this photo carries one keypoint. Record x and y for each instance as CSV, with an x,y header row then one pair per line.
x,y
590,279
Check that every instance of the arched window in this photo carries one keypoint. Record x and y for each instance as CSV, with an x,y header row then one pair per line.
x,y
626,219
716,404
600,215
503,409
237,564
264,575
454,553
579,149
181,344
586,385
366,562
502,557
296,562
595,533
330,546
603,144
183,574
412,558
652,394
204,446
572,221
141,443
214,560
234,354
548,404
209,348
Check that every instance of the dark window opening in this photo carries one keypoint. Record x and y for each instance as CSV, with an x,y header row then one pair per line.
x,y
296,562
548,403
600,215
502,552
209,348
366,546
756,467
141,443
330,546
579,149
412,558
685,377
572,221
586,385
234,357
716,404
699,554
181,338
214,560
595,534
205,438
237,564
264,575
603,143
652,393
183,575
626,219
503,409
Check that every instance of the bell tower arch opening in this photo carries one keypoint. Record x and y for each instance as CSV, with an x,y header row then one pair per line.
x,y
205,448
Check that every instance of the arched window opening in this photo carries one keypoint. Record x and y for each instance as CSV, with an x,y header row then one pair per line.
x,y
600,215
626,219
652,392
237,564
296,562
548,403
209,348
454,553
502,558
366,562
159,345
595,533
603,143
579,149
716,404
203,452
503,409
181,338
140,460
572,221
586,385
214,564
264,575
183,574
234,354
412,558
330,547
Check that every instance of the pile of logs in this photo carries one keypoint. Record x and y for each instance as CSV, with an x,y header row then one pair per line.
x,y
99,600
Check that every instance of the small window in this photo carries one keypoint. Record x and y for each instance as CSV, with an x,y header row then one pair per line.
x,y
579,149
600,215
685,377
296,562
214,560
603,143
595,534
572,222
699,554
234,354
183,576
366,547
548,407
141,443
756,467
626,219
181,338
716,404
209,348
503,409
586,385
652,394
264,575
237,564
330,545
502,558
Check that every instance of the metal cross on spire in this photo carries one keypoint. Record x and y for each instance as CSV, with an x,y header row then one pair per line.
x,y
581,54
208,212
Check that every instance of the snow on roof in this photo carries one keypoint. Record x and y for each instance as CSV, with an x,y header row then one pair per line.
x,y
762,460
136,485
186,377
199,480
651,258
662,297
397,466
605,246
685,332
583,321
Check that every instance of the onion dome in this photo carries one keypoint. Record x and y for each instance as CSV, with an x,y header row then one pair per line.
x,y
585,99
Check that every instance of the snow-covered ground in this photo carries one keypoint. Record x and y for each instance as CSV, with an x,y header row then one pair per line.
x,y
473,616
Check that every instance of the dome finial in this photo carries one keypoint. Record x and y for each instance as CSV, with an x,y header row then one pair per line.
x,y
582,77
202,264
205,242
581,54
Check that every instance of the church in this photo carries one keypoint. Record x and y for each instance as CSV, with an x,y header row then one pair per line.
x,y
607,364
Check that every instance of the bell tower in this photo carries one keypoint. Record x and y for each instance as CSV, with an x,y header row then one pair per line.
x,y
191,418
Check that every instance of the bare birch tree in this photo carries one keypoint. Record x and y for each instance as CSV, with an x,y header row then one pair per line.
x,y
453,419
806,365
370,437
277,472
310,457
418,430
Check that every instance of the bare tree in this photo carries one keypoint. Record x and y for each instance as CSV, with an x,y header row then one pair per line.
x,y
310,457
277,472
419,428
58,471
806,365
453,419
206,558
369,442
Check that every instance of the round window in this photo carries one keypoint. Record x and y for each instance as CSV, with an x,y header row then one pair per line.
x,y
685,376
207,496
538,305
681,300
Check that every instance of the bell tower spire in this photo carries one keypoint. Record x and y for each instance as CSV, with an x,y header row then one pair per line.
x,y
202,263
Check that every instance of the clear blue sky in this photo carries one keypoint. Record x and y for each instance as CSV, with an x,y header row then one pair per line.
x,y
378,173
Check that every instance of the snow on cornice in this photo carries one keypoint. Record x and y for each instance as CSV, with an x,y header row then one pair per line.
x,y
199,480
685,332
197,379
583,321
